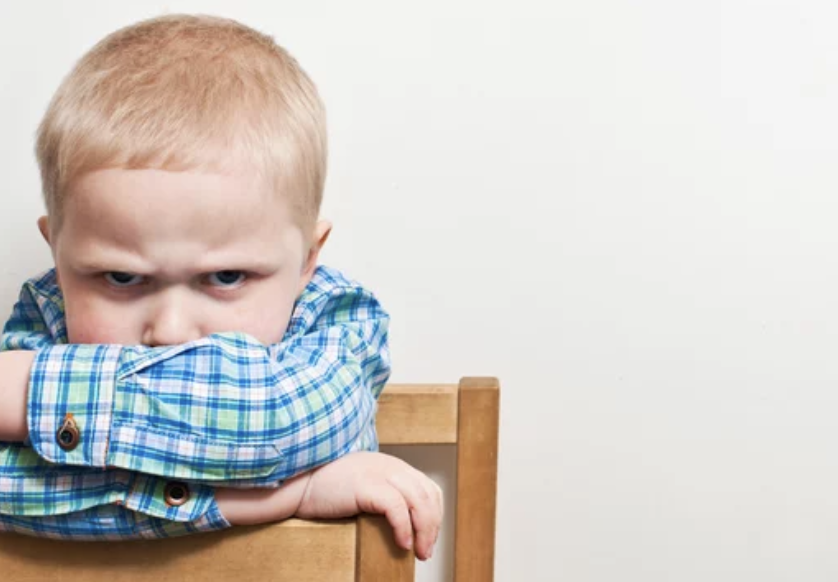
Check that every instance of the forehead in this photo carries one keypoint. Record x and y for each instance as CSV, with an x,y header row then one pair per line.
x,y
166,217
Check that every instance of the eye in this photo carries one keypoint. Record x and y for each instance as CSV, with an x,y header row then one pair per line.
x,y
227,279
120,279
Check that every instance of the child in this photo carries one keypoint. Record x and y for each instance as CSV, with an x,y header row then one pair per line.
x,y
187,365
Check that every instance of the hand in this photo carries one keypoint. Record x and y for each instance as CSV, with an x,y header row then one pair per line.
x,y
356,483
378,483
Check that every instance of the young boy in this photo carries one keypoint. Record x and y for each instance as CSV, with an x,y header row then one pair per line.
x,y
187,365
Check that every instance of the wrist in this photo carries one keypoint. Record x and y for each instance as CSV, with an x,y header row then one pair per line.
x,y
303,510
253,506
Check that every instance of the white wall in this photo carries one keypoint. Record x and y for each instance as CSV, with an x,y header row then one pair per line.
x,y
626,210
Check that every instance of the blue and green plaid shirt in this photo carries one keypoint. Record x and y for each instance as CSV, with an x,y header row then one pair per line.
x,y
222,410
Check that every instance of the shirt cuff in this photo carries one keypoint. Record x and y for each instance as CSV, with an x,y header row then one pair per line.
x,y
70,407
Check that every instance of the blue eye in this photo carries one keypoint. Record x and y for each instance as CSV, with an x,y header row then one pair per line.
x,y
120,279
227,279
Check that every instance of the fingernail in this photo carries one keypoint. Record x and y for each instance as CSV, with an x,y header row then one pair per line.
x,y
409,543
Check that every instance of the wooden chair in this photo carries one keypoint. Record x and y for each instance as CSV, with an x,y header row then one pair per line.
x,y
358,549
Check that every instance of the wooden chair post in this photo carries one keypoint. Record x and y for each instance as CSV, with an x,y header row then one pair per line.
x,y
477,463
379,558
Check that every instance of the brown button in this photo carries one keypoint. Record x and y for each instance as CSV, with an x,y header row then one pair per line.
x,y
176,493
68,435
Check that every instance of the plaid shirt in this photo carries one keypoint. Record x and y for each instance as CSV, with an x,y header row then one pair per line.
x,y
222,410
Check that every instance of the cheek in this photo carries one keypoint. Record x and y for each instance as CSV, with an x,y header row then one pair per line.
x,y
91,322
265,315
267,322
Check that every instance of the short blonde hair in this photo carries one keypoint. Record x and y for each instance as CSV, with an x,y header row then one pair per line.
x,y
181,93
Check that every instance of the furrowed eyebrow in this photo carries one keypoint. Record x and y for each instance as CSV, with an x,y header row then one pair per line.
x,y
238,261
248,265
121,264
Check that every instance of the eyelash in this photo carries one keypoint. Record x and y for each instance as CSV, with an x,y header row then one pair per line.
x,y
242,279
108,277
244,276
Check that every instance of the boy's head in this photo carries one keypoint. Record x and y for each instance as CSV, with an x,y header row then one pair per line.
x,y
183,163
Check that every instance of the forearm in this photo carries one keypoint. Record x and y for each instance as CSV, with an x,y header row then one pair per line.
x,y
252,506
258,417
14,384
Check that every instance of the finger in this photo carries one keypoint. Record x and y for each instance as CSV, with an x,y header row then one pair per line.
x,y
435,514
388,501
437,496
424,505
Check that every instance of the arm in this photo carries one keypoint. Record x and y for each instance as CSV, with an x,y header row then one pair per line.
x,y
223,409
14,379
357,483
37,321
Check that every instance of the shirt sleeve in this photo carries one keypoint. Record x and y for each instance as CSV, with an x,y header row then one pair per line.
x,y
224,409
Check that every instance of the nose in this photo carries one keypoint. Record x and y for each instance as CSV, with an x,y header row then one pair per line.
x,y
172,320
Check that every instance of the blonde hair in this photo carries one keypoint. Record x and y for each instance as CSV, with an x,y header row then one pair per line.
x,y
182,93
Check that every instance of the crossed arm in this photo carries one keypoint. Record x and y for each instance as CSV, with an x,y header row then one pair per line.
x,y
224,409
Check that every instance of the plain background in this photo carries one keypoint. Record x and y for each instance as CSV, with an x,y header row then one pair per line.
x,y
625,210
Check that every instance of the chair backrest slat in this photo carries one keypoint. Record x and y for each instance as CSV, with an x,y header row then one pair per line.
x,y
417,414
298,550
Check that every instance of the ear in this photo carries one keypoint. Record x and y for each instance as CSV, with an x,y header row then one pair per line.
x,y
321,233
43,226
